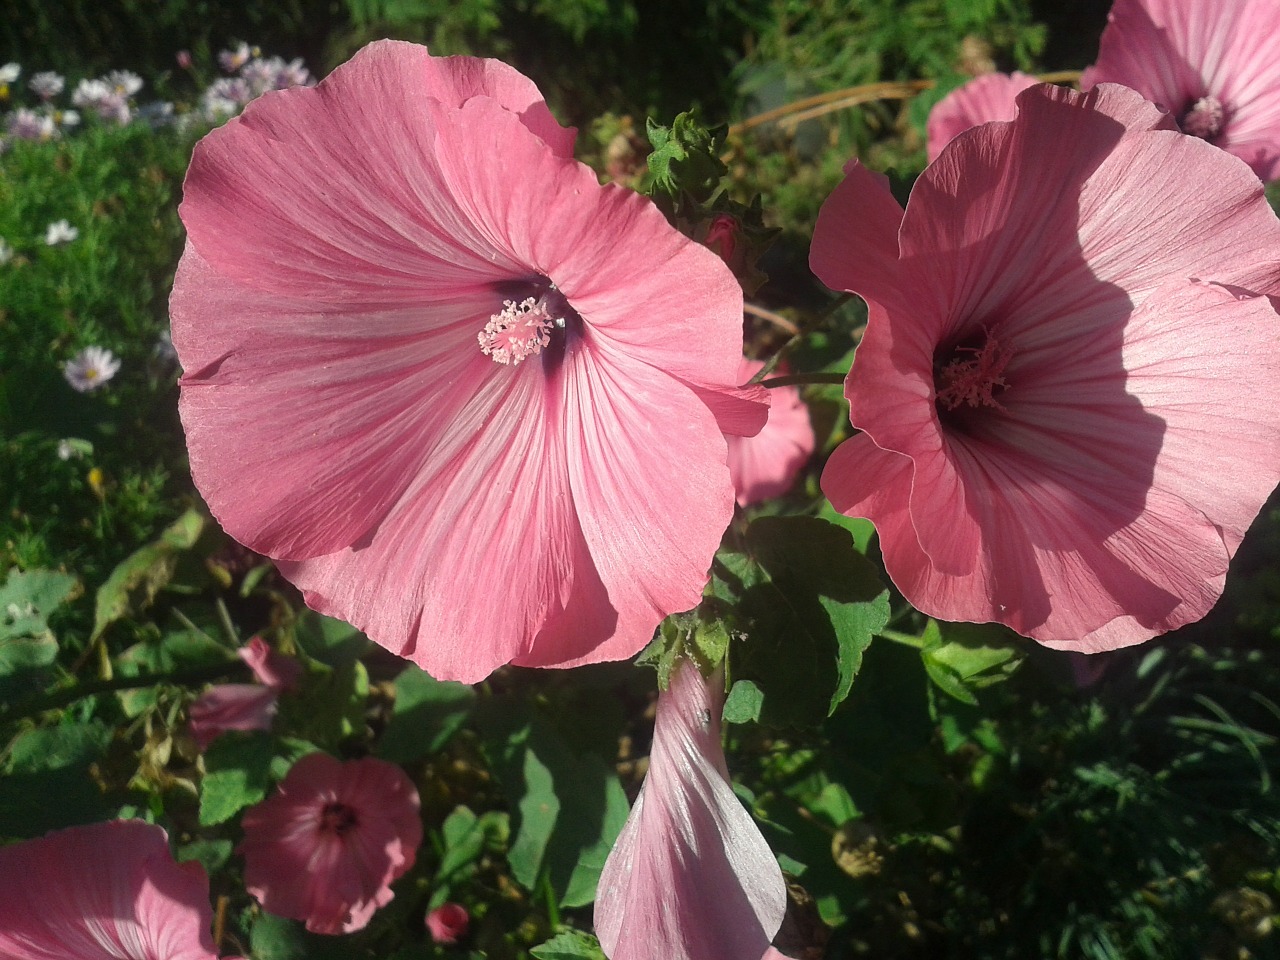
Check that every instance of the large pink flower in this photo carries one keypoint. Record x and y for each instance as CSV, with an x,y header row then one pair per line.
x,y
1212,63
690,877
470,399
767,464
1069,387
325,847
992,96
107,891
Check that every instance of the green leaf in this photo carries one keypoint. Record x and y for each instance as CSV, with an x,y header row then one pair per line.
x,y
571,805
210,854
743,703
570,945
275,938
47,779
426,715
134,583
328,640
811,605
963,657
238,766
26,642
465,838
331,705
685,161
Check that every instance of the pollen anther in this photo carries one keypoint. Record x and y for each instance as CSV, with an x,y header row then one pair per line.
x,y
518,331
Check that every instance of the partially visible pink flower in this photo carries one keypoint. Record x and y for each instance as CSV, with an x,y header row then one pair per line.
x,y
690,877
448,923
767,464
271,668
325,847
106,891
230,706
244,706
991,96
444,377
1069,385
722,237
1211,63
183,58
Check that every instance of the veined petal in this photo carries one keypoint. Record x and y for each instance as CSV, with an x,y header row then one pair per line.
x,y
690,877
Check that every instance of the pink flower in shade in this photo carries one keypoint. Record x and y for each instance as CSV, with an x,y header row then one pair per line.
x,y
1070,397
1211,63
448,923
325,847
991,96
230,706
271,669
244,706
767,464
690,877
469,399
105,891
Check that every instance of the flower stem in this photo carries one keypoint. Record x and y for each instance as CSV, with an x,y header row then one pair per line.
x,y
802,378
61,698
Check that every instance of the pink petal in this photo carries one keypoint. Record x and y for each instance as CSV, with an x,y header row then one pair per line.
x,y
981,100
690,877
231,706
1079,511
766,465
269,667
346,246
102,892
1176,52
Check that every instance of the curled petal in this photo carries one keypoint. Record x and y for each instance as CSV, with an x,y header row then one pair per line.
x,y
690,877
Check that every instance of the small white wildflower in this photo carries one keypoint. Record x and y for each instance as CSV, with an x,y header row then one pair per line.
x,y
60,232
46,84
123,83
28,125
90,369
233,60
89,93
67,118
9,72
6,252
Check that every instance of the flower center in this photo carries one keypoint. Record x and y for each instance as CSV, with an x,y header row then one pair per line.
x,y
337,818
1203,118
972,375
518,330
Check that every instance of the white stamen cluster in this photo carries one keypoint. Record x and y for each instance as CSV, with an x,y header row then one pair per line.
x,y
517,331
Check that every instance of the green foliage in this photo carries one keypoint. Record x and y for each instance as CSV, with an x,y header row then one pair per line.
x,y
426,715
570,945
26,643
810,605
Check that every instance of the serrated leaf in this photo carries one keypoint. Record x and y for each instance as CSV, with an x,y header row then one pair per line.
x,y
426,715
47,782
26,642
570,945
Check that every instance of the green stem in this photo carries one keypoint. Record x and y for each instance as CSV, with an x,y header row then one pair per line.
x,y
553,908
61,698
906,639
797,378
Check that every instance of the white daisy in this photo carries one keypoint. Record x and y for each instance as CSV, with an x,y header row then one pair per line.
x,y
90,369
60,232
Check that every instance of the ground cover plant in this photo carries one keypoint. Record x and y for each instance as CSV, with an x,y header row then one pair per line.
x,y
311,466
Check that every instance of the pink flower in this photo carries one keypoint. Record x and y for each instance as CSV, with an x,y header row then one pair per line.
x,y
448,923
230,706
244,706
690,877
325,847
103,892
767,464
1070,398
989,97
269,667
1211,64
467,397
